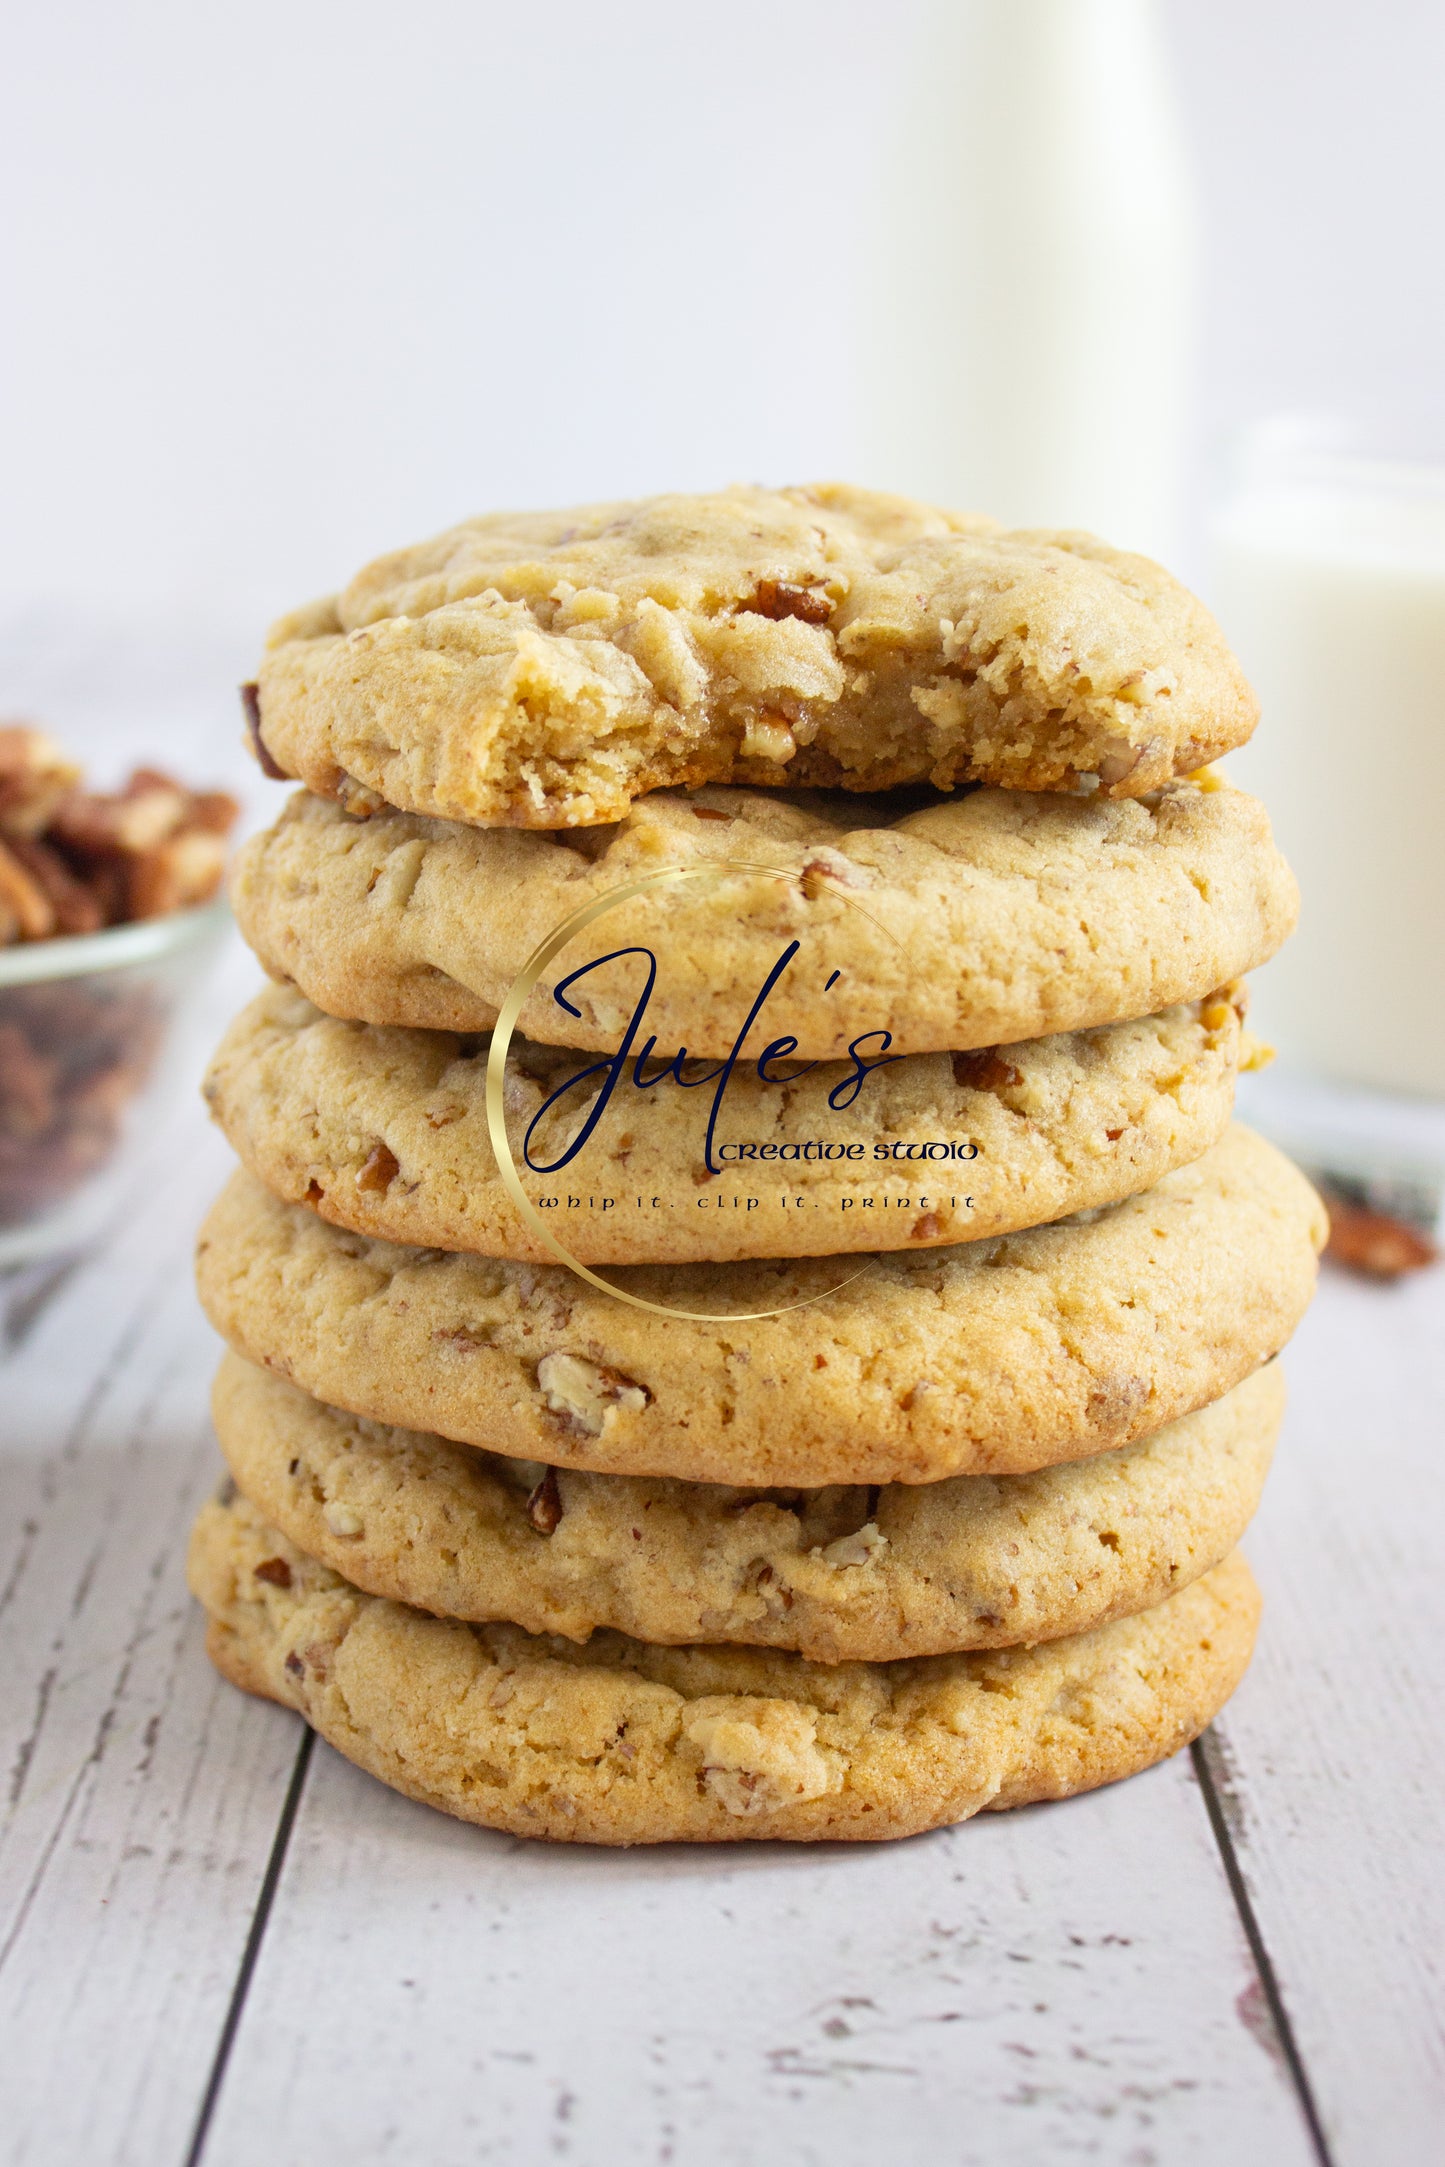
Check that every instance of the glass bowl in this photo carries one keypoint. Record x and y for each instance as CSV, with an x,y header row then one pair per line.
x,y
89,1052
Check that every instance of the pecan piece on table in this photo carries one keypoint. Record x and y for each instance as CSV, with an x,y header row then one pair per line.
x,y
1373,1242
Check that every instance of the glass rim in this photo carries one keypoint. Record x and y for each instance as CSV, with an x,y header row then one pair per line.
x,y
1310,452
84,955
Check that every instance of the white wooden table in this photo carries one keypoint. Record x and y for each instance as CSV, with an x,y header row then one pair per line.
x,y
220,1943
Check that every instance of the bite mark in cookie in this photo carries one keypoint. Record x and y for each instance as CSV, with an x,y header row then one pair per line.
x,y
544,669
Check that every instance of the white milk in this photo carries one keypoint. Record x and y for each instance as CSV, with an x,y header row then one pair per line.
x,y
1329,580
1029,295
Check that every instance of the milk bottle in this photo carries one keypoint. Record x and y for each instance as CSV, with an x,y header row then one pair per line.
x,y
1030,299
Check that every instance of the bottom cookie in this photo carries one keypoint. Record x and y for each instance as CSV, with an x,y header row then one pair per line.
x,y
621,1742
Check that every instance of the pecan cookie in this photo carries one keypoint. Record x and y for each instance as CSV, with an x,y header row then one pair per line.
x,y
620,1742
385,1131
975,921
992,1357
847,1574
541,670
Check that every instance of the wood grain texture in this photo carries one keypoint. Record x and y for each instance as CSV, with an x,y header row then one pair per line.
x,y
140,1794
1330,1759
1064,1982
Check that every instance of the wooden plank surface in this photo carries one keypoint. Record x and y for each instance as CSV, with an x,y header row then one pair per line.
x,y
1066,1982
141,1794
1331,1754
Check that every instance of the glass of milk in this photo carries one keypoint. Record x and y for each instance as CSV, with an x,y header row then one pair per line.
x,y
1328,576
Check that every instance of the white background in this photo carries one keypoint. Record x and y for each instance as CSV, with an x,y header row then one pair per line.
x,y
292,282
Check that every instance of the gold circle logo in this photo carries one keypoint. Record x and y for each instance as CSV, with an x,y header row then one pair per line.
x,y
520,991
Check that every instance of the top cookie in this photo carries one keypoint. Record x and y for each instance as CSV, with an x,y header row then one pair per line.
x,y
542,670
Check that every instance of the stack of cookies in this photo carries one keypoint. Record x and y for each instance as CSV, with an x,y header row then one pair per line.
x,y
817,1389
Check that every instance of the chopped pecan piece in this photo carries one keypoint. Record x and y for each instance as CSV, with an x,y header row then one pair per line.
x,y
985,1070
586,1392
212,811
23,902
148,849
251,709
825,871
859,1548
768,737
74,906
380,1169
1374,1243
779,598
184,870
120,823
544,1504
34,777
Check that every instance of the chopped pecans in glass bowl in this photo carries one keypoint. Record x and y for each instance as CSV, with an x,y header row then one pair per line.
x,y
108,913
